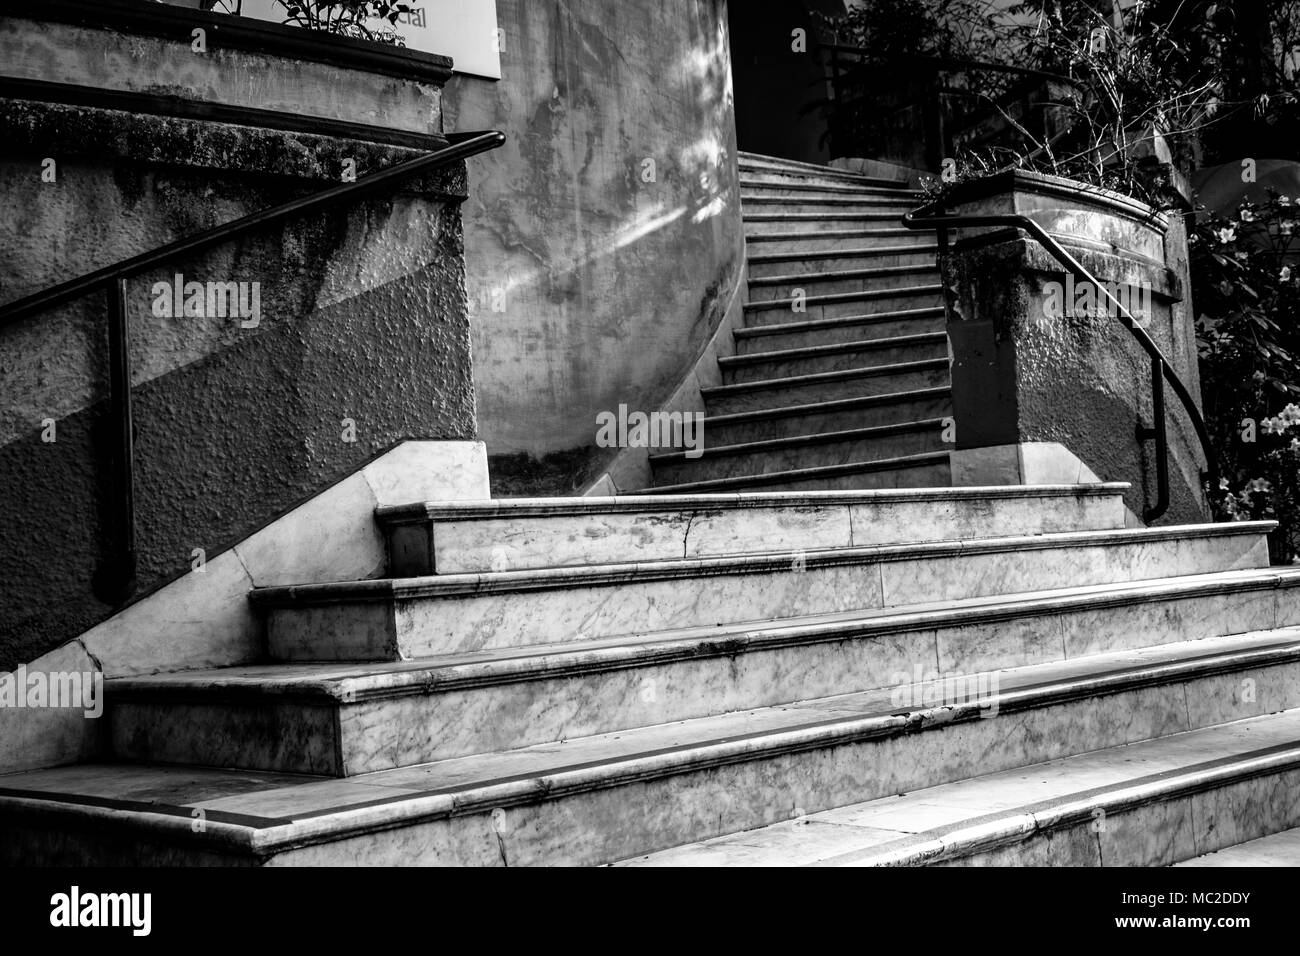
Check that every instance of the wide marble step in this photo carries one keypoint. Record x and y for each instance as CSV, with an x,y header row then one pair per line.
x,y
763,264
406,618
830,240
843,329
530,533
1150,803
833,357
886,379
616,796
925,470
794,420
814,284
895,441
326,719
861,302
1277,849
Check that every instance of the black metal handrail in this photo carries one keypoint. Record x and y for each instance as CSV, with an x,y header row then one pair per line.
x,y
1161,369
116,580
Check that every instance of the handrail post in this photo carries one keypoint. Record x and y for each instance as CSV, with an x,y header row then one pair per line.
x,y
1160,432
115,580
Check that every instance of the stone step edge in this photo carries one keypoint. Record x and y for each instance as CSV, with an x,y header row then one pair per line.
x,y
837,322
844,275
817,378
814,473
550,784
471,584
835,348
831,406
373,681
999,830
421,512
860,253
905,292
710,452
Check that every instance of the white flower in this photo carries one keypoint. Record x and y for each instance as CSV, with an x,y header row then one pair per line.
x,y
1286,274
1260,485
1247,216
1226,235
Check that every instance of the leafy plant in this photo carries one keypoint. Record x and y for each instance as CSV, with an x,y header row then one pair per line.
x,y
350,18
1247,293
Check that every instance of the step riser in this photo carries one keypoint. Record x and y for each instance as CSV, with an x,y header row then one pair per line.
x,y
820,422
590,826
927,475
921,257
814,243
408,628
448,546
819,391
836,362
800,456
811,286
419,729
784,224
783,313
839,334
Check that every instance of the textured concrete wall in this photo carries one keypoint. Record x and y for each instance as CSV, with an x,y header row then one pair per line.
x,y
591,287
1082,382
363,317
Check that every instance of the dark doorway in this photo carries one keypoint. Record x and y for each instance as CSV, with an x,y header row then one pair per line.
x,y
775,86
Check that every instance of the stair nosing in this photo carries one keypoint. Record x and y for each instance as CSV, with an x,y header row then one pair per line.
x,y
369,684
495,509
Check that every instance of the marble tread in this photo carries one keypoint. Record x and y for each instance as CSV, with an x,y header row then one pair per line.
x,y
973,817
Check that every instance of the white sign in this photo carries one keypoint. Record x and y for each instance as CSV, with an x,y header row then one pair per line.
x,y
465,30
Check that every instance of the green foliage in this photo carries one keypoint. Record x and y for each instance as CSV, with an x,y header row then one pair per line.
x,y
1247,293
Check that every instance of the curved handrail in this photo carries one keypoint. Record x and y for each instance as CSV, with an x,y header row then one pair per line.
x,y
116,580
1162,370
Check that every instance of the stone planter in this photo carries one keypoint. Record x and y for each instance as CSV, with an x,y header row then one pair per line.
x,y
123,135
1048,385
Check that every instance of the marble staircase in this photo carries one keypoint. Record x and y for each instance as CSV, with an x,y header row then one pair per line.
x,y
912,676
840,375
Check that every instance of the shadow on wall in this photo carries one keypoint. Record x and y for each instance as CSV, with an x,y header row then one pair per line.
x,y
603,240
